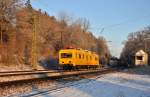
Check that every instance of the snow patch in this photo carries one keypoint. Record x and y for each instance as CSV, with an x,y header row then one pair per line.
x,y
109,85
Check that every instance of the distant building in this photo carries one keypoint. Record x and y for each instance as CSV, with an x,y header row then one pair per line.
x,y
141,58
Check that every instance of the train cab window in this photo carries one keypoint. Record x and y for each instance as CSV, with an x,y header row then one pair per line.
x,y
66,55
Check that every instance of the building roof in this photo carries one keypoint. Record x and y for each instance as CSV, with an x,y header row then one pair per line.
x,y
140,53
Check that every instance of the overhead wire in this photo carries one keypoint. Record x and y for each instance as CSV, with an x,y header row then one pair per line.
x,y
121,23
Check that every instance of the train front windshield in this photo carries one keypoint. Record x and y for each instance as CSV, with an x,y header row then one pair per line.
x,y
66,55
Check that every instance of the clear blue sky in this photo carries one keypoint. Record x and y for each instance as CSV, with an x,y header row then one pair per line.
x,y
133,15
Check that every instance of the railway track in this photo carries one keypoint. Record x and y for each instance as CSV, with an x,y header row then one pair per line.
x,y
55,88
62,84
45,74
53,77
17,73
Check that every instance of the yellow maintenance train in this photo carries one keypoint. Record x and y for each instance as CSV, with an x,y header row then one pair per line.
x,y
78,58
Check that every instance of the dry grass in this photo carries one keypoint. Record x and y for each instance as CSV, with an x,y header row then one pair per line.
x,y
142,70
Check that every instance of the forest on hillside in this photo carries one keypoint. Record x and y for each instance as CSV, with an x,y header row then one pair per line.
x,y
18,21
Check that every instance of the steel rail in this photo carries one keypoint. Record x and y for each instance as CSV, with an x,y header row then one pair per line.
x,y
50,74
57,88
17,73
25,73
45,91
22,71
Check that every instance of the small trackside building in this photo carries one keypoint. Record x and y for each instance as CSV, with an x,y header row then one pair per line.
x,y
141,58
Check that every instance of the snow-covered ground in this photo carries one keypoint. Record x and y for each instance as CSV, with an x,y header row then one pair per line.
x,y
108,85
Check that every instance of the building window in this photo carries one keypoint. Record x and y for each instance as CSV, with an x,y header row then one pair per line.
x,y
139,57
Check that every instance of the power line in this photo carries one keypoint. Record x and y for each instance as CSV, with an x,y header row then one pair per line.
x,y
105,27
121,23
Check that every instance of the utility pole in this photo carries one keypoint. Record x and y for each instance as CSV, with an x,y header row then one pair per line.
x,y
1,29
1,35
61,39
33,19
34,44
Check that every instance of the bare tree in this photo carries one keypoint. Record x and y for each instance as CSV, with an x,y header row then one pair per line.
x,y
84,23
136,41
64,17
8,9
